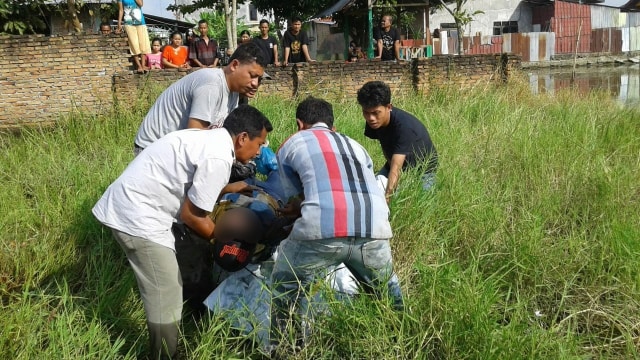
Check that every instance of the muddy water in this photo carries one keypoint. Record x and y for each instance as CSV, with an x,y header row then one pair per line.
x,y
622,82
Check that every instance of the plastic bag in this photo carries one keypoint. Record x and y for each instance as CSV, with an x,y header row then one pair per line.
x,y
266,162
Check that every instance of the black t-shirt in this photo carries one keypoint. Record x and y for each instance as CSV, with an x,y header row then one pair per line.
x,y
267,47
294,43
405,135
388,41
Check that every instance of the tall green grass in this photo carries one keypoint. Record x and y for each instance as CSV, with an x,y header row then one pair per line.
x,y
527,248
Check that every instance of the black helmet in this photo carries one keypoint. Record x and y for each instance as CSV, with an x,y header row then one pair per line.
x,y
232,255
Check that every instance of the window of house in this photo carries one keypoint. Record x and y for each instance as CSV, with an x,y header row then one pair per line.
x,y
505,27
253,13
449,28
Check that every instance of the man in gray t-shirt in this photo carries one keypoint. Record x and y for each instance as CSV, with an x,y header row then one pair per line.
x,y
203,98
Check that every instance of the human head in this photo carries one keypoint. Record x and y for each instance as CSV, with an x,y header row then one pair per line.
x,y
239,223
249,128
264,27
386,21
105,28
156,45
203,27
375,99
245,69
236,234
245,36
296,24
312,111
176,38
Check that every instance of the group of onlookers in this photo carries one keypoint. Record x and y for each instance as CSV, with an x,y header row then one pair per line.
x,y
199,51
203,51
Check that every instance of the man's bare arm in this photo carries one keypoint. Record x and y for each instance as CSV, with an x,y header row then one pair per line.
x,y
197,124
395,166
197,219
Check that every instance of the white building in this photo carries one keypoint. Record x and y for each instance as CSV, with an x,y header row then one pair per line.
x,y
499,17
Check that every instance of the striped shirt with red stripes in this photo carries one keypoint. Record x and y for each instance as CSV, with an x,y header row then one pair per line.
x,y
335,175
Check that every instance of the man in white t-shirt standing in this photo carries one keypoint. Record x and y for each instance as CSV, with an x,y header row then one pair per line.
x,y
203,98
177,178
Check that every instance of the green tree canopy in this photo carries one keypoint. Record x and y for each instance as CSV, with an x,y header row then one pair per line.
x,y
305,9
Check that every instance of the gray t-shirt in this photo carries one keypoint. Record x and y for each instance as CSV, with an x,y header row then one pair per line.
x,y
202,95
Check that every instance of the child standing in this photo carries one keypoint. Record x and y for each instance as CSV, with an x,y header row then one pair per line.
x,y
154,60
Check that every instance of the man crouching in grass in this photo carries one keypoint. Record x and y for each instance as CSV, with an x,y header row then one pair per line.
x,y
343,215
177,178
405,140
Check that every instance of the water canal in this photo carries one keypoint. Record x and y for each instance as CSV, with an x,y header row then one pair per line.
x,y
622,82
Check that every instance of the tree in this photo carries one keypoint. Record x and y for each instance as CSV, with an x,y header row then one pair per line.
x,y
28,16
305,9
461,17
72,21
218,26
21,16
229,9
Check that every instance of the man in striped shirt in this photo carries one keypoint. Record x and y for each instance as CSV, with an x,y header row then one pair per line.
x,y
344,217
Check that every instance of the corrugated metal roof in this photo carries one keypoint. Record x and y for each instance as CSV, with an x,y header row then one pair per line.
x,y
585,2
633,5
337,7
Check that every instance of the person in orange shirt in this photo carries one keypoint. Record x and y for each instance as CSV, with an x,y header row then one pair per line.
x,y
175,55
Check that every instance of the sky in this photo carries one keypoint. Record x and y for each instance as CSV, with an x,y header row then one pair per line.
x,y
157,8
614,2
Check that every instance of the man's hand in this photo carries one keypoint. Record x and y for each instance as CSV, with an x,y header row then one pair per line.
x,y
292,208
238,187
197,219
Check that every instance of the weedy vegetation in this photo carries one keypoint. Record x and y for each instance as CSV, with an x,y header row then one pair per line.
x,y
526,249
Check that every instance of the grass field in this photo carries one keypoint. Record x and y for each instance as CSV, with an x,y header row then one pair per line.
x,y
527,249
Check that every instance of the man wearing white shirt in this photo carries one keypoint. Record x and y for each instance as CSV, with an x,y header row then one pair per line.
x,y
177,178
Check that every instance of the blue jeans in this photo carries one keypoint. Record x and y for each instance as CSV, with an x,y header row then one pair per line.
x,y
301,262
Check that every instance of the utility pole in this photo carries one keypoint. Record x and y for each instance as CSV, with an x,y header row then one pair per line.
x,y
370,54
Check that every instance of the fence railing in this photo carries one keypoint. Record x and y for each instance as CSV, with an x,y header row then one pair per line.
x,y
539,46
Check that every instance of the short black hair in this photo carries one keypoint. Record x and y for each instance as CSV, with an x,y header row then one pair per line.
x,y
249,53
203,21
296,18
246,118
374,93
313,110
264,21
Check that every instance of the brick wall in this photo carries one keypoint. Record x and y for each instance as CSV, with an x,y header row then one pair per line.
x,y
42,78
334,78
463,71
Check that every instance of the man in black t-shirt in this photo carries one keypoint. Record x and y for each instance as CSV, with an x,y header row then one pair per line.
x,y
267,43
295,43
388,40
405,140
